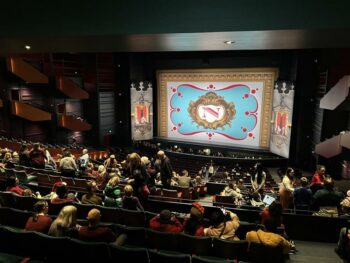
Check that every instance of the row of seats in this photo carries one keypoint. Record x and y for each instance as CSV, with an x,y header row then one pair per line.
x,y
158,247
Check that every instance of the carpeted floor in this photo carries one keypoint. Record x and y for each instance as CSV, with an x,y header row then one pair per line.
x,y
311,252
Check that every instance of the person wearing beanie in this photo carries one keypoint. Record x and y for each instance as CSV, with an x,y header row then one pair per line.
x,y
194,224
95,233
166,222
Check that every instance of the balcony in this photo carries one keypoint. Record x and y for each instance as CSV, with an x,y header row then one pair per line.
x,y
73,123
70,88
26,71
29,112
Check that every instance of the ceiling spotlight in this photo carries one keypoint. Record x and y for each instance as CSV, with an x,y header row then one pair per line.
x,y
27,47
229,42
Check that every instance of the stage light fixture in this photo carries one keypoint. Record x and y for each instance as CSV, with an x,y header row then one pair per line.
x,y
27,47
229,42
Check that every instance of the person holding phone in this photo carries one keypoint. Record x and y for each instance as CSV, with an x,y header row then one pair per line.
x,y
224,225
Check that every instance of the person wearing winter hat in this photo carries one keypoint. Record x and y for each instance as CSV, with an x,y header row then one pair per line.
x,y
165,222
194,224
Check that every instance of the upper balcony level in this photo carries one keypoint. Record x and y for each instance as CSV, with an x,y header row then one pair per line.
x,y
29,112
26,71
73,123
70,88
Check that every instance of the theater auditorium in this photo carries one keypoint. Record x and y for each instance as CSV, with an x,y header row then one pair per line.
x,y
175,131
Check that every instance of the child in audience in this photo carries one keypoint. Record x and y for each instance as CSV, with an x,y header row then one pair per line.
x,y
112,193
129,201
194,224
40,221
95,233
66,223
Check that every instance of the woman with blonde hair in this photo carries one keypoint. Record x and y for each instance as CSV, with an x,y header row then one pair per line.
x,y
112,193
101,177
66,223
130,202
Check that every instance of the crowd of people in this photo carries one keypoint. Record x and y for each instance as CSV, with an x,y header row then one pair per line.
x,y
128,183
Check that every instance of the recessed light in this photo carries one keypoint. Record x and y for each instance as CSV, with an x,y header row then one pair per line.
x,y
27,47
228,42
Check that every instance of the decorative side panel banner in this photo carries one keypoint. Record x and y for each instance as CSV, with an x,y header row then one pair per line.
x,y
141,111
281,122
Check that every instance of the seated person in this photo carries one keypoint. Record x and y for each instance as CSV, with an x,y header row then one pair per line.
x,y
165,222
194,224
318,179
40,221
267,236
184,180
256,200
327,199
91,197
232,190
129,201
66,223
12,186
302,195
62,195
95,233
223,225
274,211
345,204
112,193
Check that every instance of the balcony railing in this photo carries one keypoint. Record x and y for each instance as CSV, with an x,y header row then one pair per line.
x,y
29,112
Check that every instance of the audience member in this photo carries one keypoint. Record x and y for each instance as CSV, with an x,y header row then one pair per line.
x,y
256,200
224,225
24,155
66,223
274,211
13,186
40,221
345,204
267,236
111,162
15,158
327,200
129,201
91,197
84,159
68,167
286,189
232,190
101,177
318,178
49,161
184,180
61,195
166,169
258,179
112,193
37,157
96,233
343,246
194,224
302,195
165,222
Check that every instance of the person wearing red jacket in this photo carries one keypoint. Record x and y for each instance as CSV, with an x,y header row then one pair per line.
x,y
166,222
318,178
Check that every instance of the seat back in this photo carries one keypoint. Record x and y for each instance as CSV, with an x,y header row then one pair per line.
x,y
197,259
224,199
111,215
13,217
7,199
230,249
195,245
43,180
25,202
133,218
90,251
161,257
80,183
83,210
54,179
136,236
9,172
162,240
127,254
